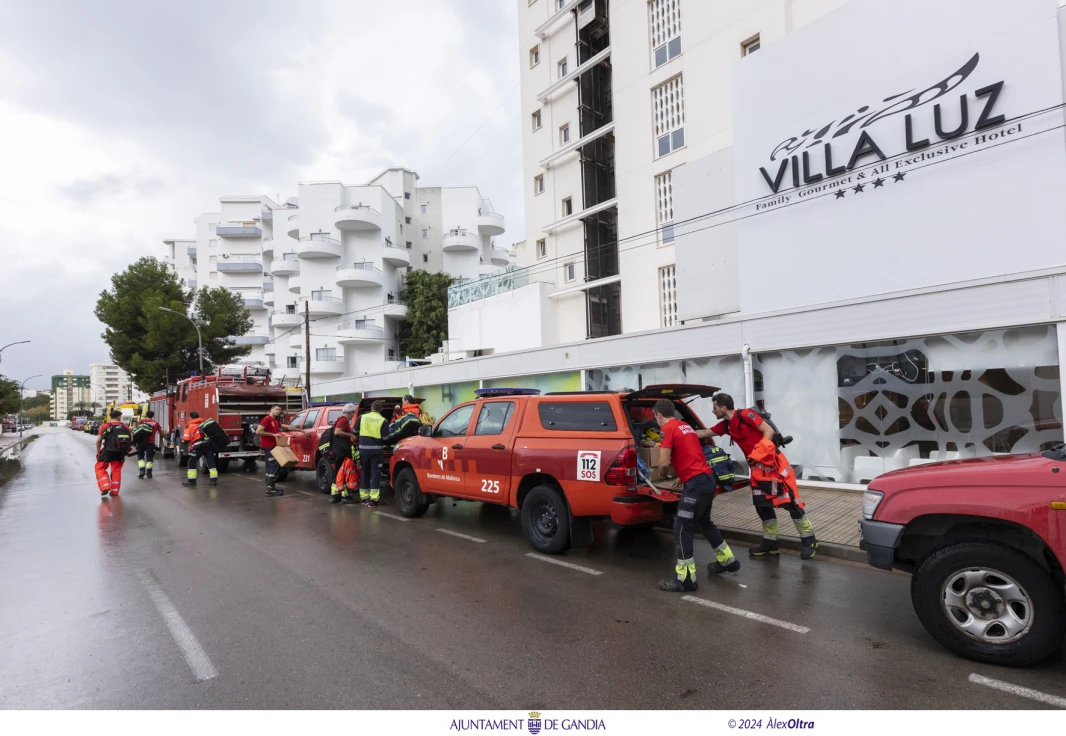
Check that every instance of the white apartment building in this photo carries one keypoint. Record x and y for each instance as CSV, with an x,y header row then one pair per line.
x,y
110,383
616,94
339,254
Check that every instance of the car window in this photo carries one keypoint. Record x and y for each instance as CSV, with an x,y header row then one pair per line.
x,y
334,415
298,422
494,417
455,424
311,417
577,416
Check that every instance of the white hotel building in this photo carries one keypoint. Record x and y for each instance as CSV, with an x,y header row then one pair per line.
x,y
339,254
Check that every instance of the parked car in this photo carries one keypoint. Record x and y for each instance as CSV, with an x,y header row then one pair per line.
x,y
563,459
985,541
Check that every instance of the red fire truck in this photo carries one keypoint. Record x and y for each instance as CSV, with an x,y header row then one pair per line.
x,y
237,397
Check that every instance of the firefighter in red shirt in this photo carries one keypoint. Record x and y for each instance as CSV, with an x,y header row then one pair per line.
x,y
681,448
268,431
345,476
113,443
748,430
144,440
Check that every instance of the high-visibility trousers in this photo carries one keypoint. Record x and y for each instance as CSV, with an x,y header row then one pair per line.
x,y
109,476
345,478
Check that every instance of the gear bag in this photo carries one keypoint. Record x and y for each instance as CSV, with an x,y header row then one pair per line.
x,y
721,465
213,433
141,433
779,439
117,440
325,444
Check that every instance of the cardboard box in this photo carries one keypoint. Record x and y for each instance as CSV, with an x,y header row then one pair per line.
x,y
284,456
651,455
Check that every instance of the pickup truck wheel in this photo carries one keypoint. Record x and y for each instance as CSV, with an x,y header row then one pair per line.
x,y
183,459
324,475
409,499
222,465
988,602
546,520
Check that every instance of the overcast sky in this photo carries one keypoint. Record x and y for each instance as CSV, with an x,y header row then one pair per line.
x,y
123,120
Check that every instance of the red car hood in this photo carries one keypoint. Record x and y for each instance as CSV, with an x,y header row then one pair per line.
x,y
1001,470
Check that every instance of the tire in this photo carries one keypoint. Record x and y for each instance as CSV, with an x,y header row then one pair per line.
x,y
183,460
323,475
546,520
409,499
955,582
248,466
282,474
201,468
223,465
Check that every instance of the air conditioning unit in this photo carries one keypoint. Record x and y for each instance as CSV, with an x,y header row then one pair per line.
x,y
225,255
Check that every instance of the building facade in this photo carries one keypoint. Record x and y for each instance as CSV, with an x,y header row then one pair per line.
x,y
112,384
72,393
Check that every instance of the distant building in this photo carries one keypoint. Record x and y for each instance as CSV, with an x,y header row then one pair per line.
x,y
71,393
111,383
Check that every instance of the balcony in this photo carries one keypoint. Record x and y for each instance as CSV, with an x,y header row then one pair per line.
x,y
243,264
500,256
286,265
249,340
466,291
268,285
191,250
457,241
321,306
293,226
487,269
294,286
396,255
239,231
319,246
394,309
268,298
253,298
285,318
359,275
357,217
295,339
326,366
489,222
271,348
267,215
268,248
356,331
573,75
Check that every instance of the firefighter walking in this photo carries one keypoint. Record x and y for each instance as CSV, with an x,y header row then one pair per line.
x,y
372,426
268,431
681,448
144,435
343,455
113,443
199,447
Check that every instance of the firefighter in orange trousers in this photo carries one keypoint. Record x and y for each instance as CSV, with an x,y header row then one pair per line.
x,y
113,443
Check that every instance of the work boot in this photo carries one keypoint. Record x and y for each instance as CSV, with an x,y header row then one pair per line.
x,y
810,544
148,475
275,492
213,482
103,494
350,501
673,585
766,548
114,492
336,498
717,568
372,504
140,473
189,483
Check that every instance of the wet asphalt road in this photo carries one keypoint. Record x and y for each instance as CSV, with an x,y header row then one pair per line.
x,y
296,603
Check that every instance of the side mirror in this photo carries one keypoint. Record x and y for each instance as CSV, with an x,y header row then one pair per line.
x,y
425,431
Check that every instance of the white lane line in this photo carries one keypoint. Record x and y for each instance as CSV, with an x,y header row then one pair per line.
x,y
392,516
747,614
1018,690
194,654
462,536
560,563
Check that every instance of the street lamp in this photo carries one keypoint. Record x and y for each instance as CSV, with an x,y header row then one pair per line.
x,y
24,342
198,338
22,400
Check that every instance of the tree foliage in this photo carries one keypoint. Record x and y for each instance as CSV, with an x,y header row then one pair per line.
x,y
148,343
35,401
9,396
426,297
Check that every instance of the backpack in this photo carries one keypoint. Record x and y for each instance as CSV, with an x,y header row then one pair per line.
x,y
213,433
117,440
779,439
721,465
325,444
141,433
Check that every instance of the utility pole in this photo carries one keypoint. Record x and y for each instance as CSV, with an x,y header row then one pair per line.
x,y
307,348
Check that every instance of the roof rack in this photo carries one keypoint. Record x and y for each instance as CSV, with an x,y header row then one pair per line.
x,y
485,393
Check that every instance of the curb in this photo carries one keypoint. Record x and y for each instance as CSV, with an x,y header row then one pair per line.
x,y
825,549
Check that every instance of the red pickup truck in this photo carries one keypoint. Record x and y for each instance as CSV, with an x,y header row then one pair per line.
x,y
985,541
315,420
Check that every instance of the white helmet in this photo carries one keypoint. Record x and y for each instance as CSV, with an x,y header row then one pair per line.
x,y
348,409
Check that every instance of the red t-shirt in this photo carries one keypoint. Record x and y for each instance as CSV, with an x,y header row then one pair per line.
x,y
269,424
343,425
155,428
686,453
746,434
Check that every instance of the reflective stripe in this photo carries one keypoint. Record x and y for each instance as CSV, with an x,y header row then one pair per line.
x,y
723,553
770,529
803,526
686,569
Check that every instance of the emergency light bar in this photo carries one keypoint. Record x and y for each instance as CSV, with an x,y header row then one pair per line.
x,y
485,393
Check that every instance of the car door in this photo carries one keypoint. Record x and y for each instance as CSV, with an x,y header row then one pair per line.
x,y
305,440
295,438
445,472
487,452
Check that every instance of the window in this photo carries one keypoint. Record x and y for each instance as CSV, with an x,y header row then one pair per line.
x,y
560,4
668,295
299,420
425,208
564,134
213,276
664,200
409,244
321,294
325,353
538,184
334,415
564,68
750,46
568,206
577,416
406,195
312,417
665,23
668,103
536,120
534,56
425,233
494,417
542,248
425,258
455,424
212,259
569,272
392,354
585,6
211,227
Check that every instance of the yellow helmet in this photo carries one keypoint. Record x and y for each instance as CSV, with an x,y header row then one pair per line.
x,y
653,434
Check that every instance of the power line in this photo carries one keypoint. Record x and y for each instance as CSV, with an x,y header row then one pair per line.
x,y
483,122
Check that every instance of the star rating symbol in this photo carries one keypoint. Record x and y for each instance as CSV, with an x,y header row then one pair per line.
x,y
899,176
858,188
840,194
879,182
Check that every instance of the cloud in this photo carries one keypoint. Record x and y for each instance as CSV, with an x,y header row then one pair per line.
x,y
111,186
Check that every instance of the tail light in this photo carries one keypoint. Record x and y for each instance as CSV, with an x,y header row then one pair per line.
x,y
623,471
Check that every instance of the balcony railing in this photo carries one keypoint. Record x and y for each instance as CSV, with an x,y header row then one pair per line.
x,y
320,298
356,207
360,324
466,291
320,238
290,256
359,267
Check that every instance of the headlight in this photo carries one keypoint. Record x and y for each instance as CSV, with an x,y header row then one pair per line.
x,y
870,501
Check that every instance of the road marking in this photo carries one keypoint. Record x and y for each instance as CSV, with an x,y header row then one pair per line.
x,y
462,536
747,614
194,654
560,563
1018,690
392,516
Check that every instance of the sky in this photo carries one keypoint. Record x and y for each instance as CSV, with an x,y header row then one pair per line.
x,y
123,120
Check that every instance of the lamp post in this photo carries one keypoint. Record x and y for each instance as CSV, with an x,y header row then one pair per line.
x,y
24,342
22,401
198,338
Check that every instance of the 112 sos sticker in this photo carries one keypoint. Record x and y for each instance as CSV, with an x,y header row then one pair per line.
x,y
588,465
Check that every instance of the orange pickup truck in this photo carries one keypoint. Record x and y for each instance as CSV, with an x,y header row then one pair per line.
x,y
562,459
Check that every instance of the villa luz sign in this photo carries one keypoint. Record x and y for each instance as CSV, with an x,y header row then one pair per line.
x,y
805,169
